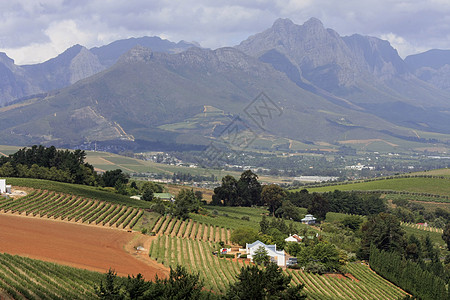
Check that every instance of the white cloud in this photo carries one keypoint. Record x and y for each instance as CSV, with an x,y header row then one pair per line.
x,y
404,48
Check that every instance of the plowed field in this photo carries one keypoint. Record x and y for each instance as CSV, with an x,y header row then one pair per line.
x,y
77,245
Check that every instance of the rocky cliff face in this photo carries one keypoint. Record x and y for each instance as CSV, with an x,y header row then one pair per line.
x,y
432,66
320,55
324,58
376,56
14,81
83,65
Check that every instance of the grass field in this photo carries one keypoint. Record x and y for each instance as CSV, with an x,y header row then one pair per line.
x,y
437,172
436,186
231,217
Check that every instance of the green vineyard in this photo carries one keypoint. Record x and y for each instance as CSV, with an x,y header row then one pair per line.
x,y
167,225
423,227
25,278
218,273
59,206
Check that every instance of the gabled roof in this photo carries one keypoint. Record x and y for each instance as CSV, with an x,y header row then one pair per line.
x,y
272,249
308,218
163,195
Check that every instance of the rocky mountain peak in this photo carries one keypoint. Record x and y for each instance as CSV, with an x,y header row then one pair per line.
x,y
83,65
136,54
5,59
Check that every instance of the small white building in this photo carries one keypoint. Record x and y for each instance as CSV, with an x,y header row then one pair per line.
x,y
279,257
294,238
309,219
4,188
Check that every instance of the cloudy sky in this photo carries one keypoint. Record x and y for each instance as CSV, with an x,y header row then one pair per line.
x,y
34,31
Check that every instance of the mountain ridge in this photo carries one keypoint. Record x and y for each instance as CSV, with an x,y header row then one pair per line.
x,y
329,89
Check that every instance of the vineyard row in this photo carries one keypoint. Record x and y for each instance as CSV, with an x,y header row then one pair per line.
x,y
219,273
168,225
59,206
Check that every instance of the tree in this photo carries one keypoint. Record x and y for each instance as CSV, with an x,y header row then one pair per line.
x,y
147,195
110,290
198,195
110,178
249,189
244,235
267,283
261,256
227,193
186,202
135,287
384,232
352,222
319,207
273,195
179,285
154,187
264,225
446,235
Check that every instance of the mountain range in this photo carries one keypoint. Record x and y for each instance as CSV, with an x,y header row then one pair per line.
x,y
150,93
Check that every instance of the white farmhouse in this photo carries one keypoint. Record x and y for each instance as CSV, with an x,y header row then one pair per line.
x,y
294,238
279,257
309,219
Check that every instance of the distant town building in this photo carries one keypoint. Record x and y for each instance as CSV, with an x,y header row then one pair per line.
x,y
309,219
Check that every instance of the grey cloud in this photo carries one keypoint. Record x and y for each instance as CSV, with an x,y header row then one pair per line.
x,y
218,23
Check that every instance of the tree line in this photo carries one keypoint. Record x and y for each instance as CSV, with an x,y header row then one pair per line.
x,y
59,165
251,283
247,191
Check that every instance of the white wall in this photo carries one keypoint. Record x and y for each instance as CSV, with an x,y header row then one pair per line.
x,y
2,186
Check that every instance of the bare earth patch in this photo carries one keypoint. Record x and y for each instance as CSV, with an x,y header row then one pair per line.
x,y
78,245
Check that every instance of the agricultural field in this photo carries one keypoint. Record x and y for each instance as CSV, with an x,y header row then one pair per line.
x,y
25,278
167,225
174,189
66,207
436,172
232,217
217,273
435,186
77,189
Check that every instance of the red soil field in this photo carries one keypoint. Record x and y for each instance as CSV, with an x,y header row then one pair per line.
x,y
77,245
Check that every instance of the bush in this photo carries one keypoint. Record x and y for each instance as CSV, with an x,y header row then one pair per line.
x,y
243,256
144,230
315,268
295,267
245,218
226,255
